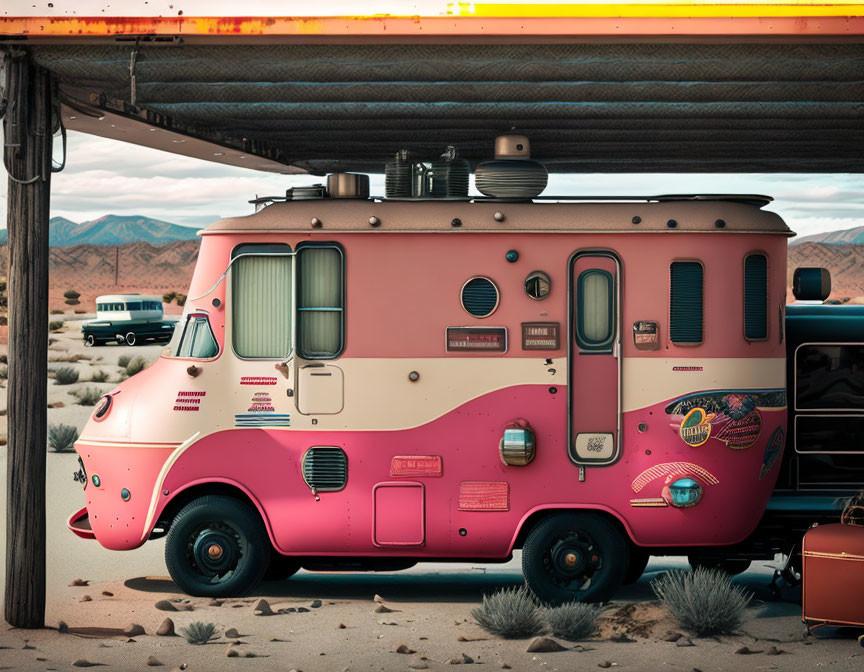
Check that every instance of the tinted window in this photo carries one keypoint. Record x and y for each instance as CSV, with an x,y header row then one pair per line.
x,y
197,340
319,302
595,310
829,377
756,297
685,302
133,305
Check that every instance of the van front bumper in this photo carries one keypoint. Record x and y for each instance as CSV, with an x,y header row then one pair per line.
x,y
79,523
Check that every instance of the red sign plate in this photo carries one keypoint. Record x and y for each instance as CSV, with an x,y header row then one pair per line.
x,y
541,335
476,339
484,496
416,465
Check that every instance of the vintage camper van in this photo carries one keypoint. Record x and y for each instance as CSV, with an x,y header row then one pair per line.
x,y
129,319
372,383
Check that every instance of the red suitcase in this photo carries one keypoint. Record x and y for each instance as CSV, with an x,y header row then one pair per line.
x,y
833,572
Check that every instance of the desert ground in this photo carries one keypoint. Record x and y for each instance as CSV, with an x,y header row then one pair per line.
x,y
336,624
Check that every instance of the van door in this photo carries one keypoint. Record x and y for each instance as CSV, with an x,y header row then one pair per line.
x,y
594,357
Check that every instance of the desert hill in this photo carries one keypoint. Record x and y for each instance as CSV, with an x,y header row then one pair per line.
x,y
112,230
845,261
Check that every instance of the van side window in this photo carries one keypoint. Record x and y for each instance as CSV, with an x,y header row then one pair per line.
x,y
261,305
685,302
197,340
595,315
756,297
320,314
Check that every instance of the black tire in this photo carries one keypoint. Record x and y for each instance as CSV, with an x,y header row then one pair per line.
x,y
90,341
235,529
130,338
732,566
575,556
281,567
638,562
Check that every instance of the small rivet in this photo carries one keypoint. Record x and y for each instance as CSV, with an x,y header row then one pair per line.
x,y
216,303
637,219
456,223
314,421
499,216
413,376
165,493
374,221
125,495
720,224
316,223
512,256
648,452
193,371
553,390
643,427
671,223
463,532
96,480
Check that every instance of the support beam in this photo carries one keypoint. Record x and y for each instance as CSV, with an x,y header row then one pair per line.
x,y
27,154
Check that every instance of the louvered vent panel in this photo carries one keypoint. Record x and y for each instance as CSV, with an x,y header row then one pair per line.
x,y
685,310
325,468
756,297
480,297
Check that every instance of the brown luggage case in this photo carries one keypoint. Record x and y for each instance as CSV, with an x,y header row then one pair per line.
x,y
833,571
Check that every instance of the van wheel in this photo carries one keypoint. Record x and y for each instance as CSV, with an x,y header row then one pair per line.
x,y
217,547
575,556
638,562
130,338
732,567
90,340
281,567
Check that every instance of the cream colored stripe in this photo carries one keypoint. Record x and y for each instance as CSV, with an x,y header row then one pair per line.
x,y
163,473
652,380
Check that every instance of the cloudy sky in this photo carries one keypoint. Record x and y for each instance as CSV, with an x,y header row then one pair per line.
x,y
109,177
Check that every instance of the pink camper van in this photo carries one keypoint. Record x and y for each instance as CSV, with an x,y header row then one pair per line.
x,y
366,383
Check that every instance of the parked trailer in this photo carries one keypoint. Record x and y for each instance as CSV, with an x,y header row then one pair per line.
x,y
368,384
129,319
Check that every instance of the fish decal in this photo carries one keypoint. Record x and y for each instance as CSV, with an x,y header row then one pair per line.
x,y
773,450
741,433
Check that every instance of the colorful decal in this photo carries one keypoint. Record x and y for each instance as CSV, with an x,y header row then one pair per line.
x,y
731,403
188,400
541,335
696,427
262,420
258,380
484,496
649,502
772,452
261,403
677,469
416,465
476,339
741,433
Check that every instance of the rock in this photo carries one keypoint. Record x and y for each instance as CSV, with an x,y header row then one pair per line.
x,y
468,660
166,629
544,645
381,609
134,630
684,641
231,633
165,605
302,610
276,639
81,662
131,641
378,599
262,608
672,636
153,661
62,627
774,651
621,638
232,652
215,603
453,661
745,651
86,598
316,604
249,654
341,626
404,648
79,582
420,665
107,593
290,610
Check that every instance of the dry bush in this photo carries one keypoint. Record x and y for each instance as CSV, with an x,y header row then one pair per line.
x,y
703,601
55,325
200,633
99,376
511,613
136,365
62,438
65,375
573,621
88,396
123,361
168,297
54,311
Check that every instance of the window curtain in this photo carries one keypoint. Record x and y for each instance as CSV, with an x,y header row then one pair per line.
x,y
596,304
261,299
320,302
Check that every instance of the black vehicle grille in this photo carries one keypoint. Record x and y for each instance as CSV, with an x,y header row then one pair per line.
x,y
325,468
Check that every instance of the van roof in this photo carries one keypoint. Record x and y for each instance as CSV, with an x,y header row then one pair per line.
x,y
698,213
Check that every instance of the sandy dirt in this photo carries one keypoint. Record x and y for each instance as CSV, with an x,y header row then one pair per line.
x,y
431,604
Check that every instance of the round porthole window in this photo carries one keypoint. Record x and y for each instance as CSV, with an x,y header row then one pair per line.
x,y
480,297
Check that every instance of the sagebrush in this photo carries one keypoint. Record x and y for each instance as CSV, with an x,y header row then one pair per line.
x,y
62,438
99,376
199,633
123,360
573,621
66,375
88,396
511,613
55,325
136,365
703,601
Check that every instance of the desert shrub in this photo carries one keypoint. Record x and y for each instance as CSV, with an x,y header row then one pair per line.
x,y
80,312
123,361
180,299
168,297
99,376
56,312
71,294
703,601
4,359
55,325
88,396
4,372
199,633
65,375
572,621
62,438
136,365
511,613
4,320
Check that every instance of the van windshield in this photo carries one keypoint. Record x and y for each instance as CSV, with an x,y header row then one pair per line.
x,y
196,339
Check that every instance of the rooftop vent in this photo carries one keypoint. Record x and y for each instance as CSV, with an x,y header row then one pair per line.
x,y
348,185
512,173
449,175
306,193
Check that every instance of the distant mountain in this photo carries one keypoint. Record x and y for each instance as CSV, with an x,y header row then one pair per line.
x,y
845,262
846,237
112,230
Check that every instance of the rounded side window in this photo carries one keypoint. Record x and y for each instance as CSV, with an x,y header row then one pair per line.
x,y
480,297
538,285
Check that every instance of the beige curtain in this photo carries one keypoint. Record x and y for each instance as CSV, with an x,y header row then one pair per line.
x,y
320,302
596,303
261,300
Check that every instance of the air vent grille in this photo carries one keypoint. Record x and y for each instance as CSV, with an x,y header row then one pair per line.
x,y
325,468
480,297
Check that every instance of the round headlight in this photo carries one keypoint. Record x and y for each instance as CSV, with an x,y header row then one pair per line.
x,y
684,492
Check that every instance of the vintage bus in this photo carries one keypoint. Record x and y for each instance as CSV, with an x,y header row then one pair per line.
x,y
364,383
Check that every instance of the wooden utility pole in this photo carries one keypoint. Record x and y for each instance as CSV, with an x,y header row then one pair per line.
x,y
28,130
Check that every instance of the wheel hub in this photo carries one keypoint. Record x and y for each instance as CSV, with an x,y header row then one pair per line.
x,y
570,558
215,551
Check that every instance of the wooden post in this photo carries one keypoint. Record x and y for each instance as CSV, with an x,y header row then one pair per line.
x,y
27,155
